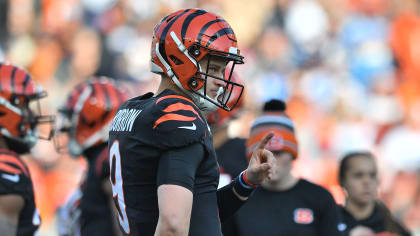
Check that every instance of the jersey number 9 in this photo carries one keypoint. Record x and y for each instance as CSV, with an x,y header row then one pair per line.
x,y
117,185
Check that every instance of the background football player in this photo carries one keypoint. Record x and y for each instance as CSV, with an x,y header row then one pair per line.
x,y
164,172
18,134
84,121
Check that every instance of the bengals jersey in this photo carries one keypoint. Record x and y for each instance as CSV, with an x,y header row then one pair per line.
x,y
143,130
15,179
96,212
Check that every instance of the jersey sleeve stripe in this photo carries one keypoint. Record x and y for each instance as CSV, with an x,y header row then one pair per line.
x,y
180,106
174,117
13,160
9,169
175,96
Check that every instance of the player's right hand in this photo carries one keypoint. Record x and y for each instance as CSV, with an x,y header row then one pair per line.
x,y
261,164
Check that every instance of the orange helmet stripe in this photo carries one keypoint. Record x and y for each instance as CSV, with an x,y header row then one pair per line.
x,y
165,32
187,22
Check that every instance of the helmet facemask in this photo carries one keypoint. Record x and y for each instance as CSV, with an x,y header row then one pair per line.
x,y
224,94
25,112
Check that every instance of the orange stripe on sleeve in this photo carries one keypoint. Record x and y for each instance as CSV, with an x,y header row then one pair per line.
x,y
175,117
180,106
9,169
13,160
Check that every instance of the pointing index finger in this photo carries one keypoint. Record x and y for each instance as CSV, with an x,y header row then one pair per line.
x,y
265,140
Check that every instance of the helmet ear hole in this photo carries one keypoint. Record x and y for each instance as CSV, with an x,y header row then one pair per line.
x,y
194,51
176,60
193,83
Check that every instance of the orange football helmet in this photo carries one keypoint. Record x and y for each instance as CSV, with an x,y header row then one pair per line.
x,y
87,114
185,37
18,118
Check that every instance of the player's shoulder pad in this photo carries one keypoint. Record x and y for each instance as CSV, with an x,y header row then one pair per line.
x,y
177,121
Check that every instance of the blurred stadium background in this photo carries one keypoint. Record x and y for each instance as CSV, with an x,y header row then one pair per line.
x,y
349,71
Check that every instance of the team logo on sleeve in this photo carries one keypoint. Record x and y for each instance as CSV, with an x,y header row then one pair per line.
x,y
303,216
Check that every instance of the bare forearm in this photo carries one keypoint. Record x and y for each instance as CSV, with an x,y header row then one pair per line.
x,y
7,226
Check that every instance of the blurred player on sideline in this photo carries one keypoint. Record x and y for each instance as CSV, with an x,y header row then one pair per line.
x,y
18,134
84,122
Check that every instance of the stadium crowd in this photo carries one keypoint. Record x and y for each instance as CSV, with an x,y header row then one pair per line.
x,y
348,70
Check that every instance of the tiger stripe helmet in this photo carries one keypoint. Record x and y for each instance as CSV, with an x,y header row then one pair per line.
x,y
18,122
87,114
185,37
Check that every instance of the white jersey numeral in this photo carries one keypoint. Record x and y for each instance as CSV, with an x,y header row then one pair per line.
x,y
117,185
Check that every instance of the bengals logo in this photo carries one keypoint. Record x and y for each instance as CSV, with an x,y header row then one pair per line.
x,y
276,142
303,216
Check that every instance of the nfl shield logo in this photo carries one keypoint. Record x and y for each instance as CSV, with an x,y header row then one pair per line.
x,y
303,216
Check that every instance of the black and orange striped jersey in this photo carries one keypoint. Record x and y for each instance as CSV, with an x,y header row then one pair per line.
x,y
15,179
143,130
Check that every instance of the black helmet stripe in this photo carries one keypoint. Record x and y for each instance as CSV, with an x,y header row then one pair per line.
x,y
205,27
219,34
165,32
1,65
188,20
107,96
25,82
12,79
163,20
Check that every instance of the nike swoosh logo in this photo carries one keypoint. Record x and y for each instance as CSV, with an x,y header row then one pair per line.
x,y
14,178
192,127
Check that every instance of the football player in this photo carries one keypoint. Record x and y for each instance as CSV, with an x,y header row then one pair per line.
x,y
84,121
164,171
18,134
